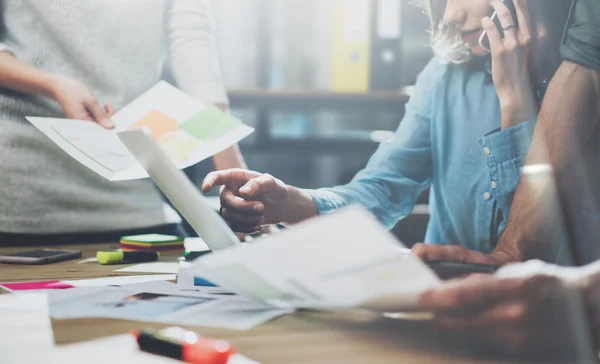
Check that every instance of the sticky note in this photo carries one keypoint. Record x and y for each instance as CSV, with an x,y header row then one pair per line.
x,y
28,286
157,123
210,123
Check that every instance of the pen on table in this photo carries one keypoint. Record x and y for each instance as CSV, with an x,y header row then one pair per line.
x,y
119,257
187,346
188,256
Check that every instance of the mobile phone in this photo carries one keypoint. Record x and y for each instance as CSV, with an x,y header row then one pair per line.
x,y
449,270
40,256
484,41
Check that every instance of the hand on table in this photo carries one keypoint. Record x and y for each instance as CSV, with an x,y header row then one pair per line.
x,y
522,317
78,102
248,199
457,253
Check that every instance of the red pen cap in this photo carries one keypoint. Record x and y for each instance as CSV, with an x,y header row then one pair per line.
x,y
207,351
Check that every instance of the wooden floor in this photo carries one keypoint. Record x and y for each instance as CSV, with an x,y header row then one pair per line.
x,y
304,337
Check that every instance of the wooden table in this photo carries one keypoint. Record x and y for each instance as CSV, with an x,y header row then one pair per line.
x,y
304,337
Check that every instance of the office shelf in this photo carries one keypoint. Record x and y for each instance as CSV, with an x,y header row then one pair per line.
x,y
317,100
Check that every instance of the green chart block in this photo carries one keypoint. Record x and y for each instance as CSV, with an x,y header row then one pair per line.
x,y
210,123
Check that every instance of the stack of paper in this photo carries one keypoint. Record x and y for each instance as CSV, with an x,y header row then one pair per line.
x,y
187,130
346,259
162,302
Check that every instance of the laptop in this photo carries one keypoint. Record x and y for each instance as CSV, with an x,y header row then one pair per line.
x,y
182,193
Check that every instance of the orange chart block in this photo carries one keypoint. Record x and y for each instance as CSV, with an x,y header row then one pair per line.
x,y
158,124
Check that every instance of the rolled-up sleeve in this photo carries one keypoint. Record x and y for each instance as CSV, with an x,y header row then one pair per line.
x,y
506,151
582,44
193,52
400,170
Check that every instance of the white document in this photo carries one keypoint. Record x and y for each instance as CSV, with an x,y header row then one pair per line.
x,y
345,260
162,302
157,267
186,129
24,323
196,244
121,281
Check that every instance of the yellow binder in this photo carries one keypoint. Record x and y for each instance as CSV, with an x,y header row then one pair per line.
x,y
351,46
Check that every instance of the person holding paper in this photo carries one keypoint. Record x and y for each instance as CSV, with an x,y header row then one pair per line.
x,y
466,132
84,60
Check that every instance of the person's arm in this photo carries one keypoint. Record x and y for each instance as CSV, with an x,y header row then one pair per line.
x,y
19,76
75,99
566,122
388,187
536,224
401,169
195,65
230,157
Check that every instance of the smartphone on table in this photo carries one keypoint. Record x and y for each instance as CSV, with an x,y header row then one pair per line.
x,y
484,41
40,256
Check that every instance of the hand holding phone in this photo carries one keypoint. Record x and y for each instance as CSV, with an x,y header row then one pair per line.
x,y
510,47
484,40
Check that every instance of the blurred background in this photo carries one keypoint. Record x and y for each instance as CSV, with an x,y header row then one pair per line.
x,y
323,82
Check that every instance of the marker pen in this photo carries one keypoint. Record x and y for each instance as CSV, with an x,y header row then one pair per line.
x,y
189,256
119,257
187,346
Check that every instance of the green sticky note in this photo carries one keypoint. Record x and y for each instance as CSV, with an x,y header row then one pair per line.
x,y
210,123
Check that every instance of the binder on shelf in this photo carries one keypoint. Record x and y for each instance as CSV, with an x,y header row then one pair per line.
x,y
386,46
351,46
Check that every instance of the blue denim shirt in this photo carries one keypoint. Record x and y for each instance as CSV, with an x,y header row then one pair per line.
x,y
449,139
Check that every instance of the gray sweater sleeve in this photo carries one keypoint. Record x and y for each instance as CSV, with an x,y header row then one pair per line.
x,y
193,52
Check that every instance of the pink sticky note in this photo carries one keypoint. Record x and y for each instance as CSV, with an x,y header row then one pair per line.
x,y
27,286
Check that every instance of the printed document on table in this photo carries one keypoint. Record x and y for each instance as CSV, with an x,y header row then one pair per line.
x,y
162,302
187,130
344,260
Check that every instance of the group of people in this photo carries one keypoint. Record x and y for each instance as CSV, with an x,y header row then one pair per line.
x,y
505,138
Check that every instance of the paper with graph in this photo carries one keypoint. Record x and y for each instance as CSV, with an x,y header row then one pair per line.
x,y
186,129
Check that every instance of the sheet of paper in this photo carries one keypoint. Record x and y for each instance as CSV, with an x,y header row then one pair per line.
x,y
155,267
186,129
346,259
162,302
95,282
121,281
195,244
24,323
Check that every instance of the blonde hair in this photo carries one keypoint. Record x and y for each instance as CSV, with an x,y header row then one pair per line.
x,y
446,41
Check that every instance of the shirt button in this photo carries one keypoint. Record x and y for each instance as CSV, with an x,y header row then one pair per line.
x,y
487,196
494,185
487,151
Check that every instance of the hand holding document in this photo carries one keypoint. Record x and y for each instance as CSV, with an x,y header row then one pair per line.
x,y
343,260
187,130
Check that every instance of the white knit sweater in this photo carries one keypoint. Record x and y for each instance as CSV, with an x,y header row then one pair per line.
x,y
117,48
